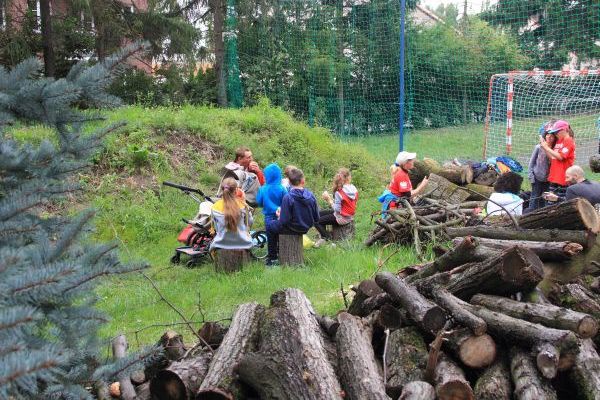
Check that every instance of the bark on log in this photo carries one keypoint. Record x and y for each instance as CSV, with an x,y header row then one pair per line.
x,y
329,325
405,358
143,392
546,359
229,261
459,175
576,214
524,332
578,298
473,351
450,381
461,254
292,362
240,339
182,379
212,333
541,235
456,308
585,374
427,315
546,251
365,289
101,390
423,168
119,349
483,191
441,188
529,384
495,382
359,372
343,232
390,317
418,390
514,270
549,315
173,348
291,250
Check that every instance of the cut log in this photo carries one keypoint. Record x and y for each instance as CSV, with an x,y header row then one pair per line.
x,y
292,362
423,168
450,381
329,325
546,251
405,358
119,349
173,349
541,235
371,304
441,188
392,318
524,332
418,390
549,315
546,359
138,377
427,315
291,250
182,379
239,340
359,372
459,175
481,192
461,254
456,308
343,232
143,392
578,298
365,289
473,351
231,260
529,384
575,214
487,178
514,270
585,374
495,382
212,333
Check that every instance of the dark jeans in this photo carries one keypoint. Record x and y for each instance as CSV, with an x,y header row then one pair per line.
x,y
326,217
536,201
274,229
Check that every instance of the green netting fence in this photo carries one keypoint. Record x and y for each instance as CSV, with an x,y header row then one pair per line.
x,y
335,63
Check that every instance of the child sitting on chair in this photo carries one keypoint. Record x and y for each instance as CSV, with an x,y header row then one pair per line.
x,y
231,219
343,204
298,213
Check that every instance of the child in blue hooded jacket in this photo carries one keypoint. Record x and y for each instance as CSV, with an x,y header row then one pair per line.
x,y
270,195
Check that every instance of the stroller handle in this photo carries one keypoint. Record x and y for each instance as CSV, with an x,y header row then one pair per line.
x,y
186,189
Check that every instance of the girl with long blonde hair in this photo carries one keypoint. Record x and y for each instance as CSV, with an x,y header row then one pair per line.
x,y
231,219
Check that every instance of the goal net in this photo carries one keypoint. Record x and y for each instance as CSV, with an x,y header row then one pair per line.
x,y
520,102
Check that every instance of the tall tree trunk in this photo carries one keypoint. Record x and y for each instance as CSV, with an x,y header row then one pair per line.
x,y
47,38
218,8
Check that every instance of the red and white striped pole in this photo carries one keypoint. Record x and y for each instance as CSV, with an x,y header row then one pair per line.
x,y
509,114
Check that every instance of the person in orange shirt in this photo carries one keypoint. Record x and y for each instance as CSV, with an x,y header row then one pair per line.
x,y
562,156
401,185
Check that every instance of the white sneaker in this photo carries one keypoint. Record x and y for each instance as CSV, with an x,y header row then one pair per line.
x,y
319,243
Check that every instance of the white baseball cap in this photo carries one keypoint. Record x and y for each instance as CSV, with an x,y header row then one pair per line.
x,y
404,156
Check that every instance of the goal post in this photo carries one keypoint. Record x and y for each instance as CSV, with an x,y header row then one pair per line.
x,y
519,102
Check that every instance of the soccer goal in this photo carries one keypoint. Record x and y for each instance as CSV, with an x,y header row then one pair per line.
x,y
519,102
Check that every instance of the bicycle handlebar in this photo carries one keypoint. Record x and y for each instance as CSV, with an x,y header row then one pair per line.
x,y
184,188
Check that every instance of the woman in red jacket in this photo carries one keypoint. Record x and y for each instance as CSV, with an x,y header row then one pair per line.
x,y
562,155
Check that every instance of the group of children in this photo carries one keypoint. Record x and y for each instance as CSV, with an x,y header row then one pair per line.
x,y
288,208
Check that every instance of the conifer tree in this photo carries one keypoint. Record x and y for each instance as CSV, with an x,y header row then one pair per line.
x,y
49,342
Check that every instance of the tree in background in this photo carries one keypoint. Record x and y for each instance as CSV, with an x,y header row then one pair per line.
x,y
549,29
49,342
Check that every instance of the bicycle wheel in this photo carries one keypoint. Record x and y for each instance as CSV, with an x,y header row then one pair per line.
x,y
259,245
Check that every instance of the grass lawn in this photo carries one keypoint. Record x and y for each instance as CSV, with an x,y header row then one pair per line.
x,y
189,145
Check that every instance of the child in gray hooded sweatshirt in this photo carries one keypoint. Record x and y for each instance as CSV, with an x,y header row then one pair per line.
x,y
345,196
539,167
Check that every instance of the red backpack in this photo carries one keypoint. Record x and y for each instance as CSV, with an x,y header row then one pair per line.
x,y
348,204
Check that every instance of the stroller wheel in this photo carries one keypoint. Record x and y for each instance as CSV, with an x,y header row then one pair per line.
x,y
259,245
192,263
176,259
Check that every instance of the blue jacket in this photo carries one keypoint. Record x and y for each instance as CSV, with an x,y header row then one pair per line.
x,y
270,195
299,210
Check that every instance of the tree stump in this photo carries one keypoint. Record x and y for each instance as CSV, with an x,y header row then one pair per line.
x,y
343,232
291,250
231,260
